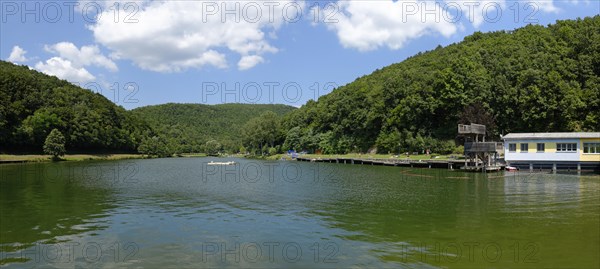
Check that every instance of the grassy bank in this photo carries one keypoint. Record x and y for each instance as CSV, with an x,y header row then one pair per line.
x,y
192,155
67,157
8,158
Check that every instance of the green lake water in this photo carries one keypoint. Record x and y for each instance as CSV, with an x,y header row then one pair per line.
x,y
183,213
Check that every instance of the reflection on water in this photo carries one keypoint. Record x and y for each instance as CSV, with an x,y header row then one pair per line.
x,y
43,205
183,213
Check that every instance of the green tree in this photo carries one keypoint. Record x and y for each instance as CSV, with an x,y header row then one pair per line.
x,y
262,133
55,144
37,126
388,142
476,113
155,146
293,139
212,147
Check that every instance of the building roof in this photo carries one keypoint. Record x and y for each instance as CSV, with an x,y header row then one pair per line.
x,y
572,135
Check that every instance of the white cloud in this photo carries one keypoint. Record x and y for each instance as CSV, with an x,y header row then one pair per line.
x,y
17,55
248,62
71,61
171,36
368,25
87,55
64,69
545,6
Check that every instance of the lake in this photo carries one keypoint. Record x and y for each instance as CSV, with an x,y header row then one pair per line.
x,y
183,213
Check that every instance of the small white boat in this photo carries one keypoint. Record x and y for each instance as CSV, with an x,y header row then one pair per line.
x,y
511,168
221,163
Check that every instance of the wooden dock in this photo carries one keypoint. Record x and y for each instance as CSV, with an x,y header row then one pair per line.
x,y
445,164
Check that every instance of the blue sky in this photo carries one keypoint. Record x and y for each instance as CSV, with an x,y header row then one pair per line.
x,y
153,52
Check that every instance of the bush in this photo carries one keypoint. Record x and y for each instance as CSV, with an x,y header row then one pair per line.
x,y
445,147
459,150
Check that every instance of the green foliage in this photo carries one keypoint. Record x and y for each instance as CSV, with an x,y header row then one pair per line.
x,y
188,127
262,133
476,113
389,142
533,79
459,150
37,126
155,146
212,147
32,104
55,144
443,147
293,139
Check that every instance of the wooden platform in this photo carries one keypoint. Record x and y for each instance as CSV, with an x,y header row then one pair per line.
x,y
446,164
494,168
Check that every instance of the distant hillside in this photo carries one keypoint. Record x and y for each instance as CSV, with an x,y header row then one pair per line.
x,y
33,103
531,79
190,126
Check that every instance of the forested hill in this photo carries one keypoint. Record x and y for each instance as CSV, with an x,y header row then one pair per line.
x,y
32,104
531,79
189,126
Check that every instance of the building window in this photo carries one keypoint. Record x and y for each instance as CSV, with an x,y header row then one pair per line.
x,y
592,148
512,147
541,147
524,147
566,147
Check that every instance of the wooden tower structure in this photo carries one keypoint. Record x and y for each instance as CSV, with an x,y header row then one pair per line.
x,y
479,155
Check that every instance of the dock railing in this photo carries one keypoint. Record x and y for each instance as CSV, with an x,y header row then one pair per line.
x,y
471,147
471,129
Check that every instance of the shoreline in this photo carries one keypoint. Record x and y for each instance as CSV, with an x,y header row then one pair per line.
x,y
38,158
